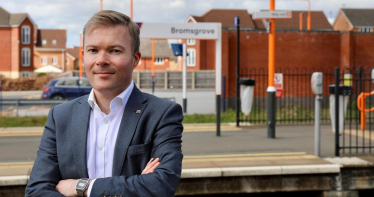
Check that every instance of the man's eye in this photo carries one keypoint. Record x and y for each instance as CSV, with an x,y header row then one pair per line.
x,y
92,50
116,51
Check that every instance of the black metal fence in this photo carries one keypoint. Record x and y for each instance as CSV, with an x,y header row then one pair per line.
x,y
297,102
296,106
356,133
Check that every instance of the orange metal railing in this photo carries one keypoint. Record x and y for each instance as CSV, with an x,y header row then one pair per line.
x,y
361,105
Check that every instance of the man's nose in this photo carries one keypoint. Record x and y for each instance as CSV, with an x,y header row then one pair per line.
x,y
102,59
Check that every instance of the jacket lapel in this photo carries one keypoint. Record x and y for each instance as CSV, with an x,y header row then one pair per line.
x,y
127,128
79,129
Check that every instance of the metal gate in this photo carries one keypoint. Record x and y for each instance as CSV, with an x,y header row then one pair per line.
x,y
356,136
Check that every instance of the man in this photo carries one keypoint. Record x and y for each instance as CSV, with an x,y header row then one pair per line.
x,y
111,135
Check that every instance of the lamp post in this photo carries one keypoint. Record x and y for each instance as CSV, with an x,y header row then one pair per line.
x,y
309,18
101,5
131,13
80,55
271,89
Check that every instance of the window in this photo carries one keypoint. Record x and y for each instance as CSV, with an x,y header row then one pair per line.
x,y
67,61
25,74
25,57
159,60
44,42
366,29
191,58
43,60
70,82
25,35
54,42
84,82
54,60
191,41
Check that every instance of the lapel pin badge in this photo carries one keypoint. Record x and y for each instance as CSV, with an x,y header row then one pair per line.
x,y
138,111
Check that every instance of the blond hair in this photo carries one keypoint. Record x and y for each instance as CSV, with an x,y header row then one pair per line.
x,y
110,18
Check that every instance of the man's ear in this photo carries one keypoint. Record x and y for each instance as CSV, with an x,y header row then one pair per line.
x,y
137,57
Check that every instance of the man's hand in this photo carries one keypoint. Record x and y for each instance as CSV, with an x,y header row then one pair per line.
x,y
151,166
67,187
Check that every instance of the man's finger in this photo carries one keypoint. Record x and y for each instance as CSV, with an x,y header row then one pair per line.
x,y
150,165
152,169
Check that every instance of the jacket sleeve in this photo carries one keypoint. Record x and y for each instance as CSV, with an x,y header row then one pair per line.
x,y
45,173
164,180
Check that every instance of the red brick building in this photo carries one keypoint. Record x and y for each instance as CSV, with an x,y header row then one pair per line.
x,y
356,20
164,57
50,49
17,39
321,47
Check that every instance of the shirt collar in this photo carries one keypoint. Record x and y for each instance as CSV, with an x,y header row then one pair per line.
x,y
123,96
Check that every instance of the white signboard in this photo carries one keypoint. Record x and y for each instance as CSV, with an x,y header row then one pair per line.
x,y
272,15
278,80
179,30
278,84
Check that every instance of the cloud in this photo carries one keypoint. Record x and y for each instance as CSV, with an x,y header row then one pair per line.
x,y
177,4
73,14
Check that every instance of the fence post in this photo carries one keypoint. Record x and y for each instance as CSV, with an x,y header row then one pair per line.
x,y
17,107
166,79
223,93
138,78
337,112
1,96
237,106
193,80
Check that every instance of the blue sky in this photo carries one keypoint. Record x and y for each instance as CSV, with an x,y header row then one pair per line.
x,y
72,14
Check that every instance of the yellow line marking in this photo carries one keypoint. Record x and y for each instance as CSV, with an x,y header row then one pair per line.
x,y
20,134
16,163
299,157
244,155
360,133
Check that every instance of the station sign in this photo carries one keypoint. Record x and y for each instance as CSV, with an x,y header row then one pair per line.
x,y
272,15
179,30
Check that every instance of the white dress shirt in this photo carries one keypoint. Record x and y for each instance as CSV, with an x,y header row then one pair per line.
x,y
102,135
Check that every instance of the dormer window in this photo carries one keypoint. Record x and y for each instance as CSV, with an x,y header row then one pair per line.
x,y
54,42
191,41
44,42
25,34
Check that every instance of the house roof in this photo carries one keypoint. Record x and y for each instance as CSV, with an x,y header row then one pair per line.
x,y
226,17
16,19
49,35
162,48
360,17
4,17
73,51
8,19
318,21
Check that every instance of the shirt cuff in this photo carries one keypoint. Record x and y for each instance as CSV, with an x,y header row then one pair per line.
x,y
90,187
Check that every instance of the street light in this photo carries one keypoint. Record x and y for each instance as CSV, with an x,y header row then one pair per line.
x,y
308,13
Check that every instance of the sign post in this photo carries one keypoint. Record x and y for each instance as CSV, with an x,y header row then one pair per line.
x,y
203,31
270,103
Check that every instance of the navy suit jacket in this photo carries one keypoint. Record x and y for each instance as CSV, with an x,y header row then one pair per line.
x,y
154,132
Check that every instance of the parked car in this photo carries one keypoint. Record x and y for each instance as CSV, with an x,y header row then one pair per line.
x,y
66,88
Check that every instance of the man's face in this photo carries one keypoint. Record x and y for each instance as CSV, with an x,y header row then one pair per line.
x,y
108,58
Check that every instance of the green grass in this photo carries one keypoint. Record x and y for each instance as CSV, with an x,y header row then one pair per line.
x,y
23,121
296,113
227,116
